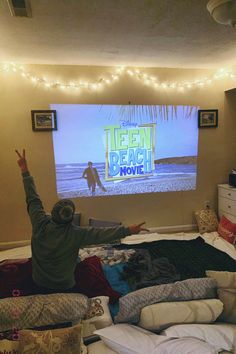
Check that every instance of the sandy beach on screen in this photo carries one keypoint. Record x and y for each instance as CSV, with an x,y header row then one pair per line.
x,y
169,184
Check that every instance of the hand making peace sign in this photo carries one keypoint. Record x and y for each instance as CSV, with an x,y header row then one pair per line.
x,y
136,229
22,161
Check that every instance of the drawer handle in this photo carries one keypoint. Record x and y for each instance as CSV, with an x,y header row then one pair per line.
x,y
229,194
229,206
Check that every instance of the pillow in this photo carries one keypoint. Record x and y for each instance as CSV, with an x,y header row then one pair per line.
x,y
226,283
99,348
125,338
128,339
90,279
63,341
227,230
206,220
228,297
9,346
185,346
220,336
99,314
39,310
103,223
223,279
131,304
165,314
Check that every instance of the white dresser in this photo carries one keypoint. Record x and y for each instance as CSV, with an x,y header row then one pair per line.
x,y
227,201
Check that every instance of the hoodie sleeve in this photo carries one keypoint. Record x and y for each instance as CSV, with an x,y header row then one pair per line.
x,y
34,204
95,236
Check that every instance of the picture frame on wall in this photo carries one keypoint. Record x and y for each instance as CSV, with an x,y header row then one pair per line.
x,y
44,120
207,118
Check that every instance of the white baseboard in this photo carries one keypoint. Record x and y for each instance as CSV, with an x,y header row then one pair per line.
x,y
13,244
175,228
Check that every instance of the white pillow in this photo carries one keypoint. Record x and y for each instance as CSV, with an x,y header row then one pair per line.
x,y
129,339
99,348
185,346
220,336
164,314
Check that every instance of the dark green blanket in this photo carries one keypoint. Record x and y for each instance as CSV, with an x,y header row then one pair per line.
x,y
189,258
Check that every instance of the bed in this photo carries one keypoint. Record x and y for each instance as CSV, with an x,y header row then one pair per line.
x,y
208,252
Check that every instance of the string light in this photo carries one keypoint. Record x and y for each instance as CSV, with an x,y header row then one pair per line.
x,y
144,78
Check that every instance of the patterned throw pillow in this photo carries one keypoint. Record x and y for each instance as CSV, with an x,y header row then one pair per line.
x,y
42,310
227,230
63,341
206,220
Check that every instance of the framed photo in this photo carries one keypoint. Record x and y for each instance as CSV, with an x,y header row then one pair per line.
x,y
44,120
208,118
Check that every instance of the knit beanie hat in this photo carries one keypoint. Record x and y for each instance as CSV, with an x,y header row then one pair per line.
x,y
63,211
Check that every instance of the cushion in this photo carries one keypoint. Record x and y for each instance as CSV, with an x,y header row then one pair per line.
x,y
9,346
226,284
99,348
131,304
124,338
223,279
91,281
63,341
227,229
39,310
165,314
206,220
98,317
128,339
220,336
228,297
103,223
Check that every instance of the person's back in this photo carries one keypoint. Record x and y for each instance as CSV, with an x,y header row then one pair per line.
x,y
54,255
55,240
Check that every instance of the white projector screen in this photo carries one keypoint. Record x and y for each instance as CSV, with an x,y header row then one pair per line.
x,y
103,150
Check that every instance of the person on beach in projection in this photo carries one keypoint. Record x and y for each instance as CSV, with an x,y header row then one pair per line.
x,y
93,179
56,240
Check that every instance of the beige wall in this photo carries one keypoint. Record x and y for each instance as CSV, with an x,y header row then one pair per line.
x,y
19,96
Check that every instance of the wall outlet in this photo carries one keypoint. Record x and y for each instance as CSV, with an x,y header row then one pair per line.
x,y
207,204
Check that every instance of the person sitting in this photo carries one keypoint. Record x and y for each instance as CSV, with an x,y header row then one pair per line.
x,y
56,240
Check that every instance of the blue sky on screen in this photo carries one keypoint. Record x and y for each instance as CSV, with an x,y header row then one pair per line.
x,y
80,136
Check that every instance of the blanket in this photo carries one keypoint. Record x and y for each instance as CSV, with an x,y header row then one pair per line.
x,y
190,258
142,270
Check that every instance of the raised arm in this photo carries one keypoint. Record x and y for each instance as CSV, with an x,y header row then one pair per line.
x,y
34,204
96,236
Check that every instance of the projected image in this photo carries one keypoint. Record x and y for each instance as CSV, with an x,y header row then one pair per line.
x,y
103,150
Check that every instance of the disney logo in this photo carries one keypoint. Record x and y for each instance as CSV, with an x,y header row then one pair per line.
x,y
125,123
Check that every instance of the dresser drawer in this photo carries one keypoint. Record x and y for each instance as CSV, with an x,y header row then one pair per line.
x,y
230,217
227,193
227,205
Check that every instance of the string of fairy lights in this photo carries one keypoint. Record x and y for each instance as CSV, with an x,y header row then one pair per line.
x,y
101,82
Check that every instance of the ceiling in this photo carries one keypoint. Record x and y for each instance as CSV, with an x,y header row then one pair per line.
x,y
141,33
